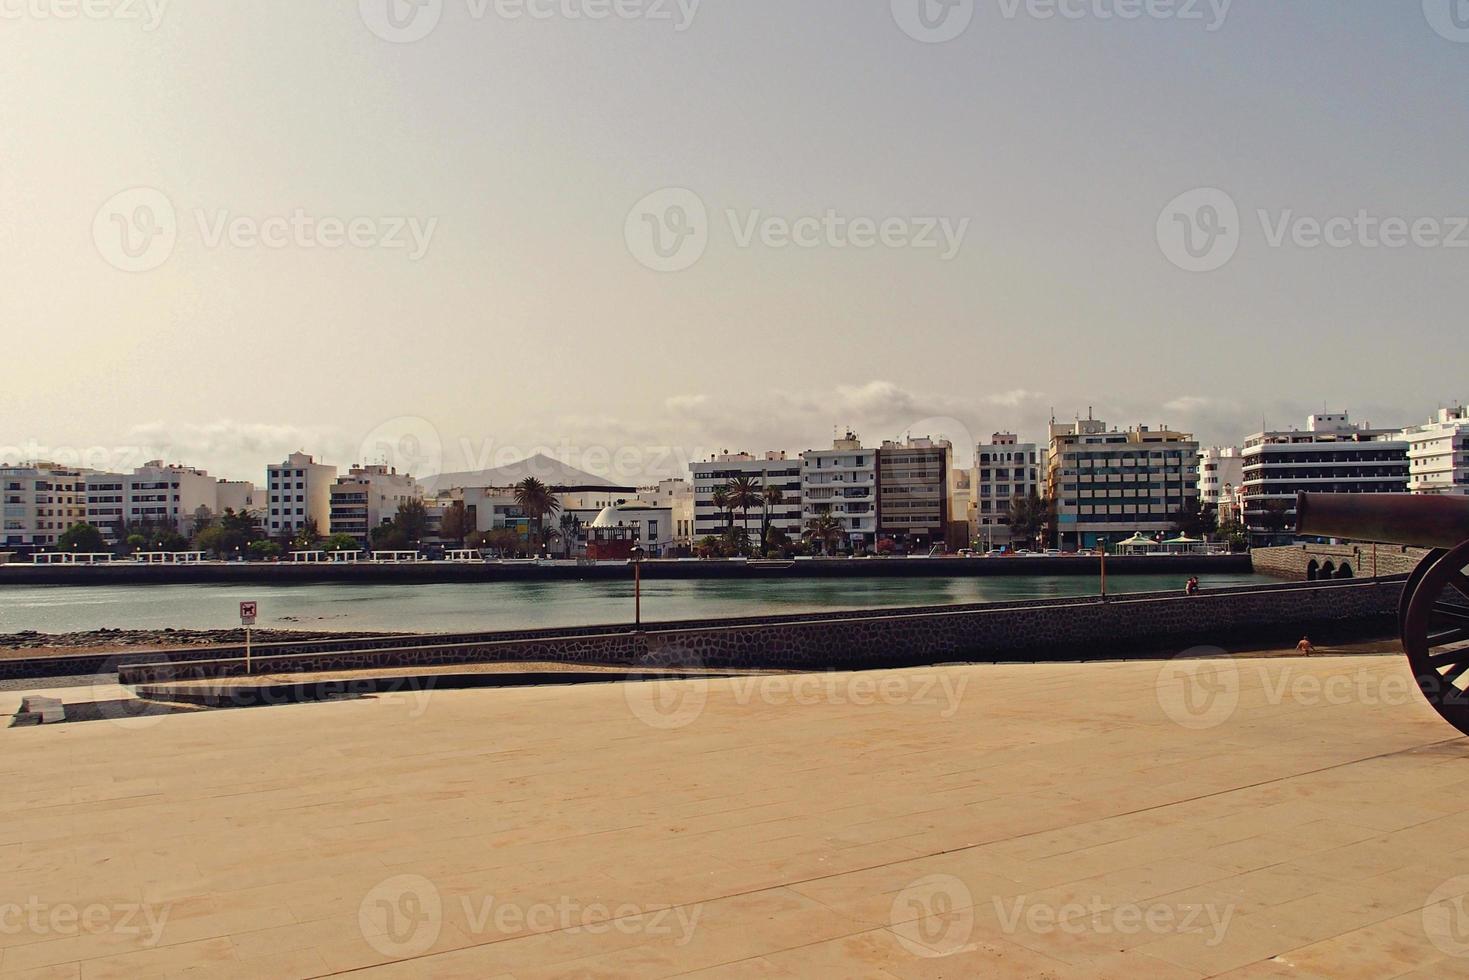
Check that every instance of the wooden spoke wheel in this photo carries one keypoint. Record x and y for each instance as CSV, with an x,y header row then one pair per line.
x,y
1436,636
1411,586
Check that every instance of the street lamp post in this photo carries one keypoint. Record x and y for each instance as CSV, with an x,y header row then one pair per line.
x,y
1102,551
637,583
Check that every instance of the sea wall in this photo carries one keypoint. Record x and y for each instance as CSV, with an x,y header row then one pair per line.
x,y
1076,629
289,573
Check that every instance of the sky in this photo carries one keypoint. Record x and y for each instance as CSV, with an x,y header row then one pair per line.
x,y
446,234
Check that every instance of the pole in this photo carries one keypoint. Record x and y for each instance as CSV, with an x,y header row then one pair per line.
x,y
247,650
1102,550
637,592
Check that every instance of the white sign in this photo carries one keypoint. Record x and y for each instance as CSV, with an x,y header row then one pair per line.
x,y
247,613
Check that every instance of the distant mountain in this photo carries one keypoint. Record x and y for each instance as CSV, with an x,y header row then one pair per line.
x,y
551,472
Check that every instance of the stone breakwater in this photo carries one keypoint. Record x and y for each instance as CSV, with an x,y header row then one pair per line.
x,y
1152,625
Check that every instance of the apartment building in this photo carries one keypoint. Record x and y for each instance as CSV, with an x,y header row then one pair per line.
x,y
1332,455
369,497
1438,453
774,469
41,501
238,496
915,494
1110,485
299,490
841,483
1221,481
1004,469
678,496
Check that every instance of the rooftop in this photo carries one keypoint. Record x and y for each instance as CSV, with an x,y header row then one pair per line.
x,y
1285,817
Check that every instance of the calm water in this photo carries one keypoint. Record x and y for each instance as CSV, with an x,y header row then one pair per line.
x,y
503,605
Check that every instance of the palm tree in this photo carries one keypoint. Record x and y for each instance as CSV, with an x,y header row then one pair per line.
x,y
536,500
720,499
743,493
570,531
823,531
773,498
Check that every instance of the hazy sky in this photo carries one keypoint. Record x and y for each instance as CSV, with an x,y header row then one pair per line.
x,y
151,298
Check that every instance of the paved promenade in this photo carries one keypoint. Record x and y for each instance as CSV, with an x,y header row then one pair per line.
x,y
1254,818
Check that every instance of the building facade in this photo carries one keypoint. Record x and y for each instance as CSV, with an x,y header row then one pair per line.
x,y
1004,468
1438,453
841,483
1332,455
678,496
41,501
369,497
1221,479
1112,485
915,494
773,469
299,490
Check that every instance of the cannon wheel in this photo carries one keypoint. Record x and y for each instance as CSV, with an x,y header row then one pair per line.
x,y
1411,586
1436,636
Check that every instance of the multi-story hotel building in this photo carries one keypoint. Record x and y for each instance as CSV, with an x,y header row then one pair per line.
x,y
369,497
1438,453
915,494
1004,468
40,502
841,482
178,496
1112,485
773,469
299,490
1332,455
1221,476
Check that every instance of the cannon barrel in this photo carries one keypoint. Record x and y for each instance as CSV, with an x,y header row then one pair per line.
x,y
1419,520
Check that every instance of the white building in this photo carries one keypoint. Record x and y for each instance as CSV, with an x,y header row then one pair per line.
x,y
177,496
40,502
1332,455
678,496
841,482
773,469
369,497
1112,485
238,496
1438,453
299,490
1004,468
1221,480
649,526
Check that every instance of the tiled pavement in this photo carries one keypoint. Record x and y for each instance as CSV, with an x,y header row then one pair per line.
x,y
1253,818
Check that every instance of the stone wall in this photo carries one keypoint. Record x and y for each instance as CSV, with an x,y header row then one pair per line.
x,y
1077,629
1296,561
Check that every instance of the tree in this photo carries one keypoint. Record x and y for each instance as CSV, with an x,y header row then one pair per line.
x,y
824,531
308,537
341,542
1193,519
720,499
536,501
412,519
264,550
570,532
742,494
772,497
1275,516
388,537
81,537
1027,517
457,524
708,547
228,533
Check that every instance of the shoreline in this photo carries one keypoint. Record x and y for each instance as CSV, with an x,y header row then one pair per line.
x,y
28,644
